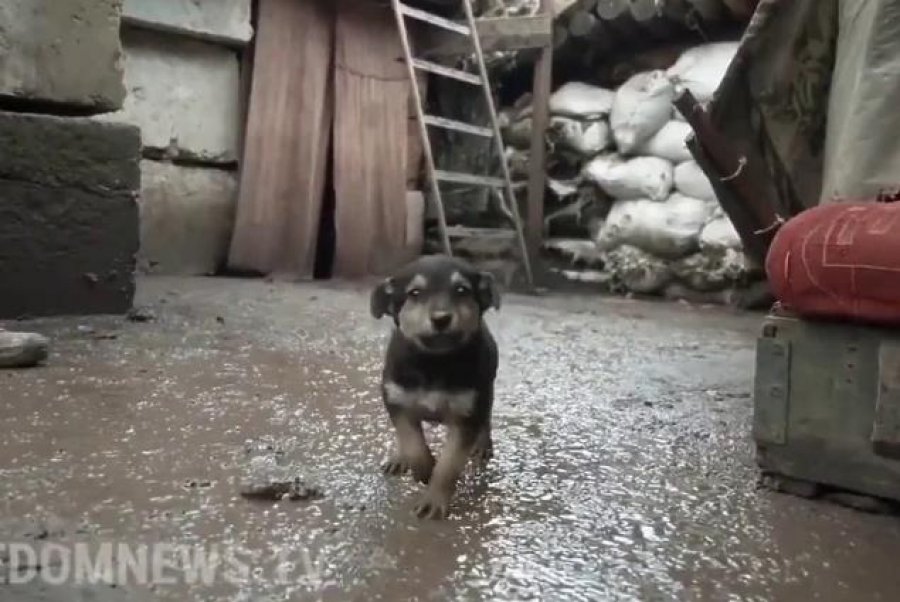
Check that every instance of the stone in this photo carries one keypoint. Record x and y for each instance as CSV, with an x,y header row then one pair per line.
x,y
224,21
68,215
22,349
184,95
62,53
187,217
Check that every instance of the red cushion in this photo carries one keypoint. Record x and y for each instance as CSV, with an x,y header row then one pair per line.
x,y
839,261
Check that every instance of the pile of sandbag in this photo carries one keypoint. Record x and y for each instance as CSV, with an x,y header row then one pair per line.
x,y
662,223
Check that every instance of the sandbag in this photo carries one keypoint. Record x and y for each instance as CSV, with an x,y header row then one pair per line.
x,y
581,101
701,69
669,230
587,138
839,261
669,143
518,133
690,180
637,178
637,271
712,272
642,106
720,235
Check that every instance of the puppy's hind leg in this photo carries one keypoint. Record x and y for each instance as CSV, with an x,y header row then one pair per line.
x,y
412,453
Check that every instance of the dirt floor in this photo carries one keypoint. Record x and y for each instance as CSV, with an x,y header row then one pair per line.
x,y
623,471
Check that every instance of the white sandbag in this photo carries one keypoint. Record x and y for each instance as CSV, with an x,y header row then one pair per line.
x,y
669,143
637,178
704,272
585,137
719,235
701,69
668,230
642,106
691,181
637,271
582,101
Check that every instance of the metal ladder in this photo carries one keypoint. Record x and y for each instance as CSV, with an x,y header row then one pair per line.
x,y
503,185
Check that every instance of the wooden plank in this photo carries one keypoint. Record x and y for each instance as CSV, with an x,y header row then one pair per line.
x,y
452,177
370,142
496,34
457,74
886,430
286,140
435,20
458,126
537,181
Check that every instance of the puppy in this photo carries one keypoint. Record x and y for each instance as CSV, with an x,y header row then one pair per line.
x,y
440,367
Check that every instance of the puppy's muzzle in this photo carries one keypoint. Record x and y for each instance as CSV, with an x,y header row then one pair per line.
x,y
441,320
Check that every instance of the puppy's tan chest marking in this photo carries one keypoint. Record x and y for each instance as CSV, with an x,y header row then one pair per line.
x,y
430,402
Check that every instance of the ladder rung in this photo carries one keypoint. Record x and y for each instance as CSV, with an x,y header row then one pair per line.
x,y
454,177
463,76
459,126
435,20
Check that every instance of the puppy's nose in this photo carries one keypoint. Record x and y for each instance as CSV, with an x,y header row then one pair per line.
x,y
441,320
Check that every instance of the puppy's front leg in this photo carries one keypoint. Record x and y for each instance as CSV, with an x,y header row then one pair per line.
x,y
458,446
412,453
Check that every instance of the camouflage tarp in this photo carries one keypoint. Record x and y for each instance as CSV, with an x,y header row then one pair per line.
x,y
811,99
773,103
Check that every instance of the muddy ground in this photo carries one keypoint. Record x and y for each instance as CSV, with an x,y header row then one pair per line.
x,y
623,471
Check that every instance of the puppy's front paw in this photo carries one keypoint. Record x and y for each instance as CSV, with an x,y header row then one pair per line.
x,y
483,452
421,469
395,465
434,505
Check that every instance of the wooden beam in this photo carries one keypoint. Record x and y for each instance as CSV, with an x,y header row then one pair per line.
x,y
537,180
497,34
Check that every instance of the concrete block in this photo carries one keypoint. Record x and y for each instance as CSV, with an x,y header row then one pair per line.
x,y
68,215
184,95
187,217
224,21
62,53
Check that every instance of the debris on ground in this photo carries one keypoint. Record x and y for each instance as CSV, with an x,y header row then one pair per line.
x,y
268,480
141,314
22,349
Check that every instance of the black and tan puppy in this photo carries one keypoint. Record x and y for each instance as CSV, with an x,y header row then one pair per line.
x,y
440,367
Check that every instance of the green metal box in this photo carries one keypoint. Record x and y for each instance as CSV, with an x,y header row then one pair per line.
x,y
827,405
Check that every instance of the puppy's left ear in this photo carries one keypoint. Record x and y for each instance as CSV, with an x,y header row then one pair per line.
x,y
488,291
381,302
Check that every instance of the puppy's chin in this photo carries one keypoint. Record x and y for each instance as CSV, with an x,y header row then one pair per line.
x,y
440,342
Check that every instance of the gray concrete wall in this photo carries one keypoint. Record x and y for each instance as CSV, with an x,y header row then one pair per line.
x,y
187,216
223,21
183,94
182,77
68,215
62,52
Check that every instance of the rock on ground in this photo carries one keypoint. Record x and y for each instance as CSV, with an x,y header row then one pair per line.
x,y
62,52
22,349
68,216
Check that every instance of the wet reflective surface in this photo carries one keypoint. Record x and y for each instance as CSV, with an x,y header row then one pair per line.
x,y
623,465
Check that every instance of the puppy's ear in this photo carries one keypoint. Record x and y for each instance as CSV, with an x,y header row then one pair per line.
x,y
382,300
488,291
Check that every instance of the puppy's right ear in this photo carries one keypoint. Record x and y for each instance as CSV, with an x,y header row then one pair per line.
x,y
382,299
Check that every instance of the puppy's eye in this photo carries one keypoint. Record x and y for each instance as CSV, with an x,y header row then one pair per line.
x,y
461,290
414,293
